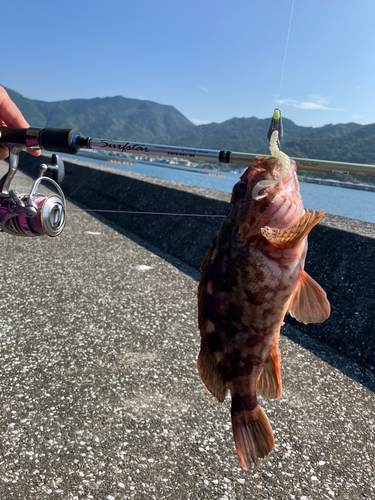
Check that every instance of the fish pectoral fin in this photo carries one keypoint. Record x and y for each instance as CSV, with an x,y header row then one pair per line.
x,y
309,302
209,372
269,381
291,236
208,255
207,361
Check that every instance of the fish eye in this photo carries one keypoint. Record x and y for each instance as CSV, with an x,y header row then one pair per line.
x,y
241,187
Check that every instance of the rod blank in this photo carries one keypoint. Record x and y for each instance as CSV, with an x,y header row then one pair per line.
x,y
70,141
221,156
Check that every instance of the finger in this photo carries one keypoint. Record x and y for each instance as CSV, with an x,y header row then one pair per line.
x,y
4,153
34,152
11,116
9,113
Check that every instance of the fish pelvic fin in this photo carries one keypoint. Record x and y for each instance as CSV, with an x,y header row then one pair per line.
x,y
252,434
269,381
291,236
309,302
209,372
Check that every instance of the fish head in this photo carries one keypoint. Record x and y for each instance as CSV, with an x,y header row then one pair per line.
x,y
280,207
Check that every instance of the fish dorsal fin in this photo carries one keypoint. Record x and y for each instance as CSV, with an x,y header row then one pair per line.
x,y
309,302
291,236
269,381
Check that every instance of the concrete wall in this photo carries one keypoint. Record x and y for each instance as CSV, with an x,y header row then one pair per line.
x,y
341,253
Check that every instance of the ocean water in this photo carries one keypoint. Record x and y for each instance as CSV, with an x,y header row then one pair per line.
x,y
350,203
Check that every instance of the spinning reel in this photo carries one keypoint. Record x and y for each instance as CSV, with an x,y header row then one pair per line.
x,y
32,214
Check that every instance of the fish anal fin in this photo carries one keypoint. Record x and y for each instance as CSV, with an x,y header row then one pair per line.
x,y
209,372
269,381
291,236
309,302
253,436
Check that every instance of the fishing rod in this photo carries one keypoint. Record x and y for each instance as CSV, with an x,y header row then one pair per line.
x,y
33,214
70,141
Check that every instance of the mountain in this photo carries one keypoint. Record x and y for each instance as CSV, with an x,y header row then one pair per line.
x,y
146,121
109,117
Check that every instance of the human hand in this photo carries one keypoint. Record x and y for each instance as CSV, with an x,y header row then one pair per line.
x,y
11,116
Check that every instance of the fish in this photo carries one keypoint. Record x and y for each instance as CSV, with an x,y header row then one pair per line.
x,y
251,276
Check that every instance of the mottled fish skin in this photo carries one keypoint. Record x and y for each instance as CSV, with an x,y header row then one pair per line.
x,y
250,274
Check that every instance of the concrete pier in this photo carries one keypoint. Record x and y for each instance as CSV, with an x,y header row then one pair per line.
x,y
341,251
100,393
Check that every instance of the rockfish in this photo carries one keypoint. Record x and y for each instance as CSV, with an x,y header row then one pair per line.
x,y
252,275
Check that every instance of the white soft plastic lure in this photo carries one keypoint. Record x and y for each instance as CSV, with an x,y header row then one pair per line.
x,y
285,166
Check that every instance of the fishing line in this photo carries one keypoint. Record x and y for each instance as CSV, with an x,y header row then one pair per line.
x,y
129,212
286,50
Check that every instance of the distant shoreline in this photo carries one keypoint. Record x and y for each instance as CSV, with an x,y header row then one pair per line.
x,y
331,182
311,180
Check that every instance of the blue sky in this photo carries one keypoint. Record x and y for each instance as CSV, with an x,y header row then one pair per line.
x,y
210,59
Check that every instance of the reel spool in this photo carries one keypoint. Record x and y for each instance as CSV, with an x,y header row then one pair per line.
x,y
33,214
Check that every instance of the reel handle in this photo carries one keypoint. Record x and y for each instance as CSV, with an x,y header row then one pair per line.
x,y
57,169
49,139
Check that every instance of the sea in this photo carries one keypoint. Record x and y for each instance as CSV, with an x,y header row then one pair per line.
x,y
350,203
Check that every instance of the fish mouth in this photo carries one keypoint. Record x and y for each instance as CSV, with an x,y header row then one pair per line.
x,y
266,170
263,168
253,214
260,164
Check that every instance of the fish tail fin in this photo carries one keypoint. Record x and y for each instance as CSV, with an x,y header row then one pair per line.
x,y
253,436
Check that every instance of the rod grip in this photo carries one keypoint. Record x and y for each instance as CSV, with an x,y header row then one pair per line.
x,y
58,139
11,135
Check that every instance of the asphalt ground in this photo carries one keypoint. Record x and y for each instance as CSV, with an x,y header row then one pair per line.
x,y
101,398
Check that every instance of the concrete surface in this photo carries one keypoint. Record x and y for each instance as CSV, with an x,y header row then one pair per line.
x,y
101,398
341,255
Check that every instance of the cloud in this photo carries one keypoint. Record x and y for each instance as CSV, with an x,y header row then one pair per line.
x,y
319,99
196,121
315,103
203,88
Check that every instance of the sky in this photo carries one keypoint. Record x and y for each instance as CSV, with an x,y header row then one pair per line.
x,y
211,59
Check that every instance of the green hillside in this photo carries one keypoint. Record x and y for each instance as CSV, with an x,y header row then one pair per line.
x,y
355,147
108,117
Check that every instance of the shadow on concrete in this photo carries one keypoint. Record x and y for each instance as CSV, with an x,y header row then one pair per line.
x,y
341,363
